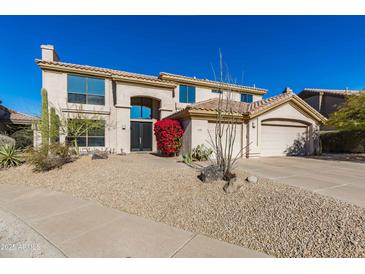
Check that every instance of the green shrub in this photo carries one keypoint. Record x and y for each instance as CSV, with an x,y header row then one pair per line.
x,y
352,141
6,140
48,157
201,153
187,158
23,138
9,156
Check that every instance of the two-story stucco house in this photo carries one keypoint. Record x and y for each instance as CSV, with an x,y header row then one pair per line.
x,y
131,103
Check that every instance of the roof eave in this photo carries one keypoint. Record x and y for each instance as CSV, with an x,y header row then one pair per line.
x,y
299,102
55,67
127,79
204,114
203,83
110,75
22,122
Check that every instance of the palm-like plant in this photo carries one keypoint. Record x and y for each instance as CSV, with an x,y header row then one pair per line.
x,y
9,156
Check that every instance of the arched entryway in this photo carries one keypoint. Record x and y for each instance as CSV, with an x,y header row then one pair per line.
x,y
145,111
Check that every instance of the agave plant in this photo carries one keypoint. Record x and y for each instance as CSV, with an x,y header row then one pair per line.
x,y
9,156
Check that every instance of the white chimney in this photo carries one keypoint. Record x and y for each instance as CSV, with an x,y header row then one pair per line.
x,y
49,53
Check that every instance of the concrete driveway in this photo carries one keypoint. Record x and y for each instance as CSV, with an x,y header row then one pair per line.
x,y
338,179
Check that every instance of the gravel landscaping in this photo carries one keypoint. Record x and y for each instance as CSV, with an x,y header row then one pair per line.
x,y
274,218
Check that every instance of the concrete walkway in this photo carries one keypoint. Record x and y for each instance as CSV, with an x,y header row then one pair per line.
x,y
339,179
79,228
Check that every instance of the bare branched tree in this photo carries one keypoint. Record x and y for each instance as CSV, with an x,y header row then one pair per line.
x,y
224,137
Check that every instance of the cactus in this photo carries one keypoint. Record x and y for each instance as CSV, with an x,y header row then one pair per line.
x,y
54,131
45,118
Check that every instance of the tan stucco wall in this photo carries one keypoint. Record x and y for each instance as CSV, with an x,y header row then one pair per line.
x,y
331,104
116,111
56,85
124,93
202,94
198,133
249,134
187,137
313,101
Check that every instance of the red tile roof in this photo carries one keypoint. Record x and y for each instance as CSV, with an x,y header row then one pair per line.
x,y
164,77
254,108
241,107
16,117
99,69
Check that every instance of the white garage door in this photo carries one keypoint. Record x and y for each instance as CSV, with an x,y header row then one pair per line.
x,y
277,140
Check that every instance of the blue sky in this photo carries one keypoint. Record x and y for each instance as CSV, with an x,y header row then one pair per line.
x,y
271,52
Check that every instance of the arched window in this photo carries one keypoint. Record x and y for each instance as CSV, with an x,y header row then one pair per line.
x,y
141,108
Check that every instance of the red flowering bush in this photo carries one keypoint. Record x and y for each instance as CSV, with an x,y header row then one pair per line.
x,y
169,136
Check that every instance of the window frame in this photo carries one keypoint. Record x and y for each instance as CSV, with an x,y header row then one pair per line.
x,y
217,91
246,98
188,101
144,102
87,136
86,94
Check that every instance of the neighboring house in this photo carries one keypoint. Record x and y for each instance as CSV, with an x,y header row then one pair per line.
x,y
131,103
11,120
326,101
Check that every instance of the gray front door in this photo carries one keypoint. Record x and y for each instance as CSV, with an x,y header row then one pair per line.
x,y
141,136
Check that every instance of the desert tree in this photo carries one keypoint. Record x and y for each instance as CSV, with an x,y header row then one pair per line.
x,y
223,139
351,115
77,124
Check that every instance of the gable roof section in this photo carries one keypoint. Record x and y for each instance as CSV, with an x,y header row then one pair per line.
x,y
163,80
249,110
211,84
104,72
16,117
213,104
308,92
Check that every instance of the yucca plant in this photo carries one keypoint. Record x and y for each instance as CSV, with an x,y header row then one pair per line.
x,y
9,156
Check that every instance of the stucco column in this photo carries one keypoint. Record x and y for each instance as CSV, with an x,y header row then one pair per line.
x,y
123,129
254,138
62,138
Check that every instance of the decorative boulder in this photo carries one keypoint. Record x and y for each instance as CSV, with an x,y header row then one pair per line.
x,y
211,173
57,161
97,155
232,186
6,140
252,179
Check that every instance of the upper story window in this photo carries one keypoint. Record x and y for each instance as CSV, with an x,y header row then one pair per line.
x,y
187,94
84,90
141,108
247,98
217,91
